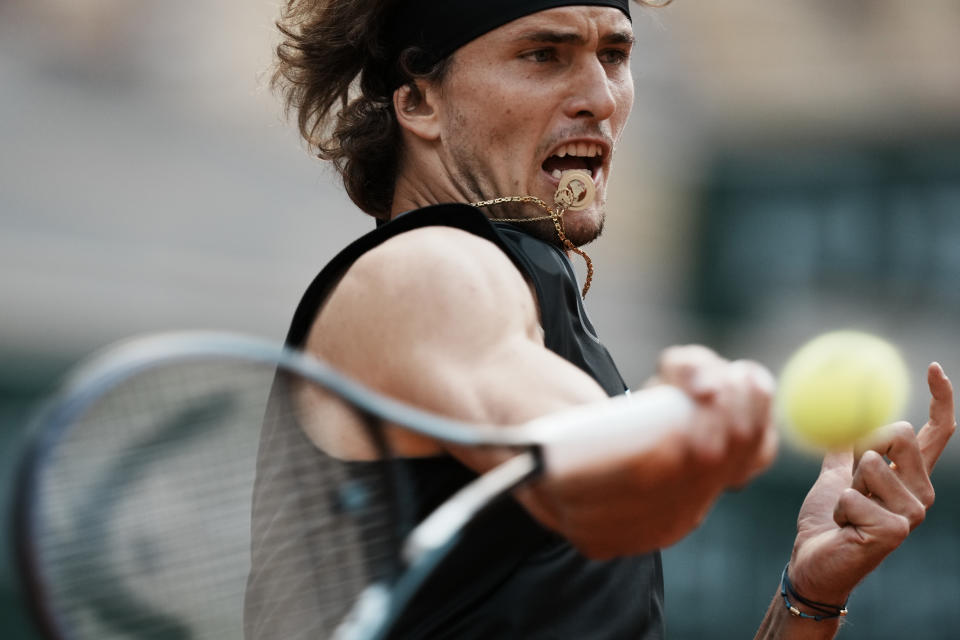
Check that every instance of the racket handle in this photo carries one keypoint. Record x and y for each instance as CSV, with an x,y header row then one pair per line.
x,y
621,427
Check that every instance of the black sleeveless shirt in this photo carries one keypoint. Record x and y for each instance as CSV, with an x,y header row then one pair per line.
x,y
508,577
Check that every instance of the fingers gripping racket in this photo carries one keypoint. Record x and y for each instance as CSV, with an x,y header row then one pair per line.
x,y
212,485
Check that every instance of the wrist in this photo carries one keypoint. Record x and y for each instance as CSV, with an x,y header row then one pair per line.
x,y
816,580
801,606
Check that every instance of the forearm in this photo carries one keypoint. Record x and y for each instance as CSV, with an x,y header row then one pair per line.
x,y
780,624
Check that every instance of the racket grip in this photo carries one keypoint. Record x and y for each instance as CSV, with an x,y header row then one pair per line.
x,y
624,426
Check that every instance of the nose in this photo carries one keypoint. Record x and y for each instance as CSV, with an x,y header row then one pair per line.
x,y
590,92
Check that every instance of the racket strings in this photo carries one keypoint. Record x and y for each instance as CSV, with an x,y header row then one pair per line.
x,y
179,503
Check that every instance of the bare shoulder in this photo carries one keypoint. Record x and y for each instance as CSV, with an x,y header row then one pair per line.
x,y
437,286
443,262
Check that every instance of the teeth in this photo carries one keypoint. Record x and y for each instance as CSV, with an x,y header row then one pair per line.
x,y
580,149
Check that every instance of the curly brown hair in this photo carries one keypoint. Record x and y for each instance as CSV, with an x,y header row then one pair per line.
x,y
333,70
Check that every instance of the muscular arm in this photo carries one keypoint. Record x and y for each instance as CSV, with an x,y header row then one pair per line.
x,y
443,320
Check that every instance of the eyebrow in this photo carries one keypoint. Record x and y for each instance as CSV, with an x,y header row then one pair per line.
x,y
572,37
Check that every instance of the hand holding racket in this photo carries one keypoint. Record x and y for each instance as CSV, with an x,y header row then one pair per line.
x,y
134,507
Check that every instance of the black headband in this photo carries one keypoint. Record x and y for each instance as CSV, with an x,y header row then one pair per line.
x,y
440,27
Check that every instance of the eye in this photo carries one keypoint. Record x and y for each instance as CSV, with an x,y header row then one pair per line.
x,y
540,55
614,56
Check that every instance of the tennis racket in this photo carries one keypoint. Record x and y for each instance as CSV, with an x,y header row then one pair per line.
x,y
213,485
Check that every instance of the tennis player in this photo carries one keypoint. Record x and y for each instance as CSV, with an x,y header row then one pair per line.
x,y
460,125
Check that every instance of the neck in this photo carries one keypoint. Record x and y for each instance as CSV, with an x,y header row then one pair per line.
x,y
424,180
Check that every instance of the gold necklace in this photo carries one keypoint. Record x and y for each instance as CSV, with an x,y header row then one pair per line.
x,y
575,192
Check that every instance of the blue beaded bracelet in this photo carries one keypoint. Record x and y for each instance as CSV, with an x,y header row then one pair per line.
x,y
829,611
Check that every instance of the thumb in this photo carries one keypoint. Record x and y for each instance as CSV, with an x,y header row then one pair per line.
x,y
838,462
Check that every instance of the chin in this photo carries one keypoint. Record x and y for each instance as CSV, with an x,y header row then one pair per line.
x,y
580,227
583,227
579,235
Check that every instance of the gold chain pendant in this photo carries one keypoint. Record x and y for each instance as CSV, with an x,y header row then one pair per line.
x,y
575,192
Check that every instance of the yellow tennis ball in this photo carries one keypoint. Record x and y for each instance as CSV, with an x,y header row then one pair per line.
x,y
840,386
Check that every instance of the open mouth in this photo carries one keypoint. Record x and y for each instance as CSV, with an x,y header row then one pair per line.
x,y
582,156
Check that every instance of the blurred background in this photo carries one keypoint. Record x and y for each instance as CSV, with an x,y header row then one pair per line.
x,y
791,167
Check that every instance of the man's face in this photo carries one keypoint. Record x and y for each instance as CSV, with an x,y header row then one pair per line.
x,y
545,93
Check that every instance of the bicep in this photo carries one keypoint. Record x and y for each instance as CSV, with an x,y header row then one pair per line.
x,y
445,322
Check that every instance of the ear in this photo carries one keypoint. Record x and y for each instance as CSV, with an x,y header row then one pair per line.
x,y
417,108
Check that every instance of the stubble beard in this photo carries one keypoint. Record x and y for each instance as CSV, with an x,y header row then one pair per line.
x,y
524,215
580,232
